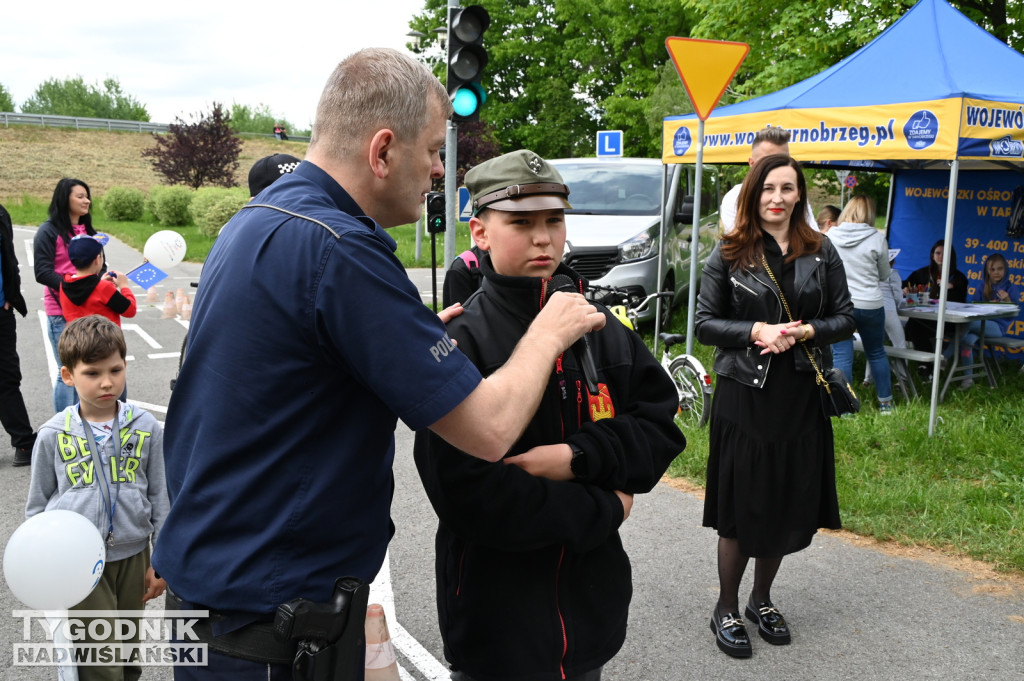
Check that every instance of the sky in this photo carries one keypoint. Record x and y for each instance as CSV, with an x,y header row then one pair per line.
x,y
178,57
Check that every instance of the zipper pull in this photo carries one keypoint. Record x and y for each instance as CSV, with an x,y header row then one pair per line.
x,y
561,378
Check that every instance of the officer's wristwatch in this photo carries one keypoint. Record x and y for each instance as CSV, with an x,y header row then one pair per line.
x,y
578,463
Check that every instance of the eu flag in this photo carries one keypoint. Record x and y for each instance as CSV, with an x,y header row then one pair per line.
x,y
146,275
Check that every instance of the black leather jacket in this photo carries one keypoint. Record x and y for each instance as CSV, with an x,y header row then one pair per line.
x,y
731,302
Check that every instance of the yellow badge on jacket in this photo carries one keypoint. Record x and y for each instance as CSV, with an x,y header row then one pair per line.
x,y
601,406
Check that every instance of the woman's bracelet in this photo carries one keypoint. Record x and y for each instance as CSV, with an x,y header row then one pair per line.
x,y
757,330
807,333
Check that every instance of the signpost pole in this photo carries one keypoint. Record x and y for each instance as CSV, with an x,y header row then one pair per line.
x,y
451,193
451,154
691,303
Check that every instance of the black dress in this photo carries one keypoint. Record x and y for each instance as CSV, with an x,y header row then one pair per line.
x,y
771,468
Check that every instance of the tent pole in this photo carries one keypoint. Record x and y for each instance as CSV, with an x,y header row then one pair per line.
x,y
691,304
666,212
947,251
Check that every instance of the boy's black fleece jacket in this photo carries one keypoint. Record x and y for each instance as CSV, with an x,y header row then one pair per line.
x,y
532,579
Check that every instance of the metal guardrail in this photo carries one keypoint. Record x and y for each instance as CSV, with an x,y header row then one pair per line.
x,y
79,123
108,124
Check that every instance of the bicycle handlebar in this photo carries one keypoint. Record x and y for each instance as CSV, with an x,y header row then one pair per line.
x,y
634,306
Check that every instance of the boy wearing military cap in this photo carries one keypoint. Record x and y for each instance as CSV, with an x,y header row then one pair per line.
x,y
532,579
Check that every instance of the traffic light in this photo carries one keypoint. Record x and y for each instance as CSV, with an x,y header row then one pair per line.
x,y
435,212
466,60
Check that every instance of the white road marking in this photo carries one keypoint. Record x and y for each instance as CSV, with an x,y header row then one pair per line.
x,y
149,407
420,657
29,248
44,326
142,334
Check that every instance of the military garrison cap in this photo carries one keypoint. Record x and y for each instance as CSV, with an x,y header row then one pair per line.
x,y
517,181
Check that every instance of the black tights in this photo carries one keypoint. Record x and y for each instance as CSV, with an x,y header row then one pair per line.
x,y
731,565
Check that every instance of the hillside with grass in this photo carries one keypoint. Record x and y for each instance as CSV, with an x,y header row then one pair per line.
x,y
33,159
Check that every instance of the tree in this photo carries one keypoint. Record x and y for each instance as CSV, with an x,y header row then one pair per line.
x,y
73,97
6,101
204,151
560,70
618,48
791,40
258,118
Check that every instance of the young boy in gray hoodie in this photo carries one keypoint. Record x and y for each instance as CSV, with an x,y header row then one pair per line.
x,y
103,458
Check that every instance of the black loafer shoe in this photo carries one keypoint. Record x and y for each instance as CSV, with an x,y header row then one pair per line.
x,y
22,457
730,634
771,625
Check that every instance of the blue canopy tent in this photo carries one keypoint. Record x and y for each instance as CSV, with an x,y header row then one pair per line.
x,y
932,95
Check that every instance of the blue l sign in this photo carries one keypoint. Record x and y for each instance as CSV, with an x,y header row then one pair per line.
x,y
465,209
609,143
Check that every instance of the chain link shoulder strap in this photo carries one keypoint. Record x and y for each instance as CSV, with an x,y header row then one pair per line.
x,y
819,379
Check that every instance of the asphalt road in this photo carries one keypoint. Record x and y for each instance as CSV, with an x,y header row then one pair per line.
x,y
855,613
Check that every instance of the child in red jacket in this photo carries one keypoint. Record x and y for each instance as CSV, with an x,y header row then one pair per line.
x,y
88,292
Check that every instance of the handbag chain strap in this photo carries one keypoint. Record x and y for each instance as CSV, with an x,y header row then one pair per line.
x,y
818,377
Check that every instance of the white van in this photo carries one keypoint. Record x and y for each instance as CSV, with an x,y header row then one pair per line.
x,y
612,229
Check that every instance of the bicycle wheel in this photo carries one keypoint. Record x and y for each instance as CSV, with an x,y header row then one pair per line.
x,y
694,395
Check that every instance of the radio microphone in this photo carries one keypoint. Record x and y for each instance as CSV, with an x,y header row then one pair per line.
x,y
581,348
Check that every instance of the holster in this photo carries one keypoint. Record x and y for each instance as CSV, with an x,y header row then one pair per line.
x,y
320,641
331,637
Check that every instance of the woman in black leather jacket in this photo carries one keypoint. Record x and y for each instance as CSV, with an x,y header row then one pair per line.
x,y
771,465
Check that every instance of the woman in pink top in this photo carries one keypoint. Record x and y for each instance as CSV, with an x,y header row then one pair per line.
x,y
69,215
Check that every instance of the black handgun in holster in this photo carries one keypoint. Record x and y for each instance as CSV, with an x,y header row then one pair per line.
x,y
331,636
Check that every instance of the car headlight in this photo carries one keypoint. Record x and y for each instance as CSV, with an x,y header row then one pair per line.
x,y
643,245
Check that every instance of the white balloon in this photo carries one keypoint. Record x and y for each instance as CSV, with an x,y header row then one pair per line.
x,y
54,560
165,249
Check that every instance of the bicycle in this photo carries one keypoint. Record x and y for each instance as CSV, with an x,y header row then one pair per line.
x,y
692,381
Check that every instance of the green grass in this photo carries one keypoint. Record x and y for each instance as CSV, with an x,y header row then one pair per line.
x,y
32,211
405,235
961,491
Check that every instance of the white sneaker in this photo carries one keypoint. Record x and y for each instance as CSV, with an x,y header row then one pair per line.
x,y
966,383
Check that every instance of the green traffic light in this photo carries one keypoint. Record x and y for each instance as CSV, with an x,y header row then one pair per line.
x,y
465,102
468,99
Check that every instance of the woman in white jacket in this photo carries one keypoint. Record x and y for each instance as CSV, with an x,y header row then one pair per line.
x,y
865,255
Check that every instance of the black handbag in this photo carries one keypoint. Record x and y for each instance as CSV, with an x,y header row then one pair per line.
x,y
837,396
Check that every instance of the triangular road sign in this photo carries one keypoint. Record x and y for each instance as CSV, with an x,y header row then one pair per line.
x,y
706,67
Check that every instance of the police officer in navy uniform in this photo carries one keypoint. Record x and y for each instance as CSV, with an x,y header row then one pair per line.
x,y
279,449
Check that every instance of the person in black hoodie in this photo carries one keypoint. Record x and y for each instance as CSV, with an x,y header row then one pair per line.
x,y
13,413
921,332
532,579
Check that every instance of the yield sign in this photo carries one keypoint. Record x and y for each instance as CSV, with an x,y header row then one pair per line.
x,y
706,67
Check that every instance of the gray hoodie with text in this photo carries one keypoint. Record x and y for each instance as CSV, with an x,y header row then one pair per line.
x,y
64,477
